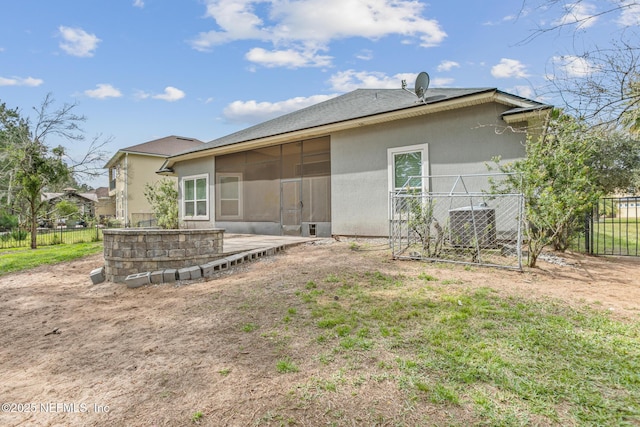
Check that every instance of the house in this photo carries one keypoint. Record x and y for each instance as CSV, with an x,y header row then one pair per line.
x,y
86,203
131,168
105,207
628,207
329,169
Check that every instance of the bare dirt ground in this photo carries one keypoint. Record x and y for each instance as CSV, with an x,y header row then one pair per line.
x,y
162,355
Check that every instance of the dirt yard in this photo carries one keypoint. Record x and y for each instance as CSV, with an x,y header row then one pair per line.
x,y
187,353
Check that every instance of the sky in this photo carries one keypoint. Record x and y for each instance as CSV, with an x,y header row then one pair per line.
x,y
139,70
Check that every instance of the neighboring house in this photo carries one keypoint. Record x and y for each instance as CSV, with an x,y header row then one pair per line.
x,y
329,169
105,207
628,207
131,168
86,202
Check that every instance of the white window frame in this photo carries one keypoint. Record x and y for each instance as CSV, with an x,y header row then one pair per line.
x,y
423,149
195,200
219,199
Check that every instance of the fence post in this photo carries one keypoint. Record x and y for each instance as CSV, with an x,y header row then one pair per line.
x,y
587,231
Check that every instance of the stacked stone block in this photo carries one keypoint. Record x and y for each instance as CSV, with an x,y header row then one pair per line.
x,y
206,270
132,251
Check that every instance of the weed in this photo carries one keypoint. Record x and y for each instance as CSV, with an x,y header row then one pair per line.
x,y
427,277
197,416
325,359
343,330
249,327
224,372
285,366
311,296
331,278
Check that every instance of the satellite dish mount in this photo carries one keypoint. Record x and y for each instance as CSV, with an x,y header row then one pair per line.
x,y
420,87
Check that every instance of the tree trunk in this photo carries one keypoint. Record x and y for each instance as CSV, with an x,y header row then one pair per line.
x,y
34,225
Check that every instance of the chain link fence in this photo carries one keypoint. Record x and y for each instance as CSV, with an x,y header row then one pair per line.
x,y
462,225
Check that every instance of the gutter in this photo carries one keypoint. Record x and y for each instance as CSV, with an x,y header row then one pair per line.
x,y
323,130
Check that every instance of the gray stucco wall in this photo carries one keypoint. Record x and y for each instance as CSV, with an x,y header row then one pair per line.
x,y
197,167
459,142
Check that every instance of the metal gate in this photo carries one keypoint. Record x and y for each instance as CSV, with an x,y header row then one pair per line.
x,y
460,225
612,228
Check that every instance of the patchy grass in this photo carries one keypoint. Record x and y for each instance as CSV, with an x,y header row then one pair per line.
x,y
285,366
12,260
499,361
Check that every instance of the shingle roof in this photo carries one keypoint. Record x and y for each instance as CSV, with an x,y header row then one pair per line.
x,y
166,146
353,105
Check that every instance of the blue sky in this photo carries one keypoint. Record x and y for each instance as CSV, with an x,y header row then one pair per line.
x,y
144,69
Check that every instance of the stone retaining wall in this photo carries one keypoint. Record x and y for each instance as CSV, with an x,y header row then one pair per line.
x,y
131,251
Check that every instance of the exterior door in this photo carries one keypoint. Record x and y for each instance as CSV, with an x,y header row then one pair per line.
x,y
291,207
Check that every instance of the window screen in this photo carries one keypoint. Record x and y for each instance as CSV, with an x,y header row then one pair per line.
x,y
407,165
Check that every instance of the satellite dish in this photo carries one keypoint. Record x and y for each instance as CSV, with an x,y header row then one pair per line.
x,y
421,85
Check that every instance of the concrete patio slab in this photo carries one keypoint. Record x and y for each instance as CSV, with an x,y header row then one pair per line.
x,y
235,243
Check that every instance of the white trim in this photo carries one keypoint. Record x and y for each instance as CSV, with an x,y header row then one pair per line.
x,y
218,192
195,217
392,152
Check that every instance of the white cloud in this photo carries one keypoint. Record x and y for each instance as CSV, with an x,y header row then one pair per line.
x,y
138,3
581,13
140,95
251,112
507,18
287,58
308,26
509,68
441,82
447,65
365,55
78,42
523,91
573,66
103,91
170,94
346,81
630,15
20,81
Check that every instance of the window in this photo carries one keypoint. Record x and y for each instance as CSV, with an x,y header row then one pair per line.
x,y
406,166
229,200
195,197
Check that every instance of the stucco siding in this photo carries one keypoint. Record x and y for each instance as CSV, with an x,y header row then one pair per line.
x,y
203,166
459,142
141,170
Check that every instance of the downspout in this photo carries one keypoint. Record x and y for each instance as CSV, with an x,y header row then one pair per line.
x,y
126,189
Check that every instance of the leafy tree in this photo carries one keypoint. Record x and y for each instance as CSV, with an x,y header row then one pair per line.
x,y
616,162
163,198
7,220
30,165
558,182
67,209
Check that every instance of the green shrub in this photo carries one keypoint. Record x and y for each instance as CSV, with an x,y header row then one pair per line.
x,y
19,235
7,221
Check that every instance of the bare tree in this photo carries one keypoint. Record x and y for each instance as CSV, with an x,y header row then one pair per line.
x,y
596,82
576,14
32,166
